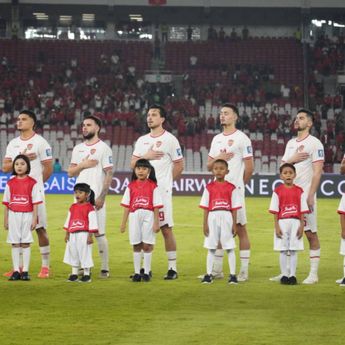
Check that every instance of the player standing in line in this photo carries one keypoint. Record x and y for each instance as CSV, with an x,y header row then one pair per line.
x,y
288,205
21,198
306,153
220,202
39,152
233,146
163,151
80,224
142,202
92,163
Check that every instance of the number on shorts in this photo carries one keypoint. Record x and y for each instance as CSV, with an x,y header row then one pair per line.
x,y
161,216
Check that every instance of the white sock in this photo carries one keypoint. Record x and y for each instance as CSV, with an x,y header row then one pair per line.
x,y
288,256
45,253
15,258
283,263
75,270
218,262
210,260
314,261
26,258
137,261
103,252
87,271
232,261
293,263
172,260
20,257
344,266
244,258
147,262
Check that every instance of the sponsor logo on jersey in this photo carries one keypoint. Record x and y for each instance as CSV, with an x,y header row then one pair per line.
x,y
289,210
300,148
220,203
178,151
158,143
48,152
29,146
141,201
230,142
321,154
92,151
20,200
77,224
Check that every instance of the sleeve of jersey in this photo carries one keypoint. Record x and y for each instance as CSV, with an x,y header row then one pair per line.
x,y
126,200
176,152
67,221
9,152
318,153
157,199
274,205
107,159
74,159
212,152
235,200
93,225
247,148
137,149
36,195
341,208
7,196
205,200
45,151
304,205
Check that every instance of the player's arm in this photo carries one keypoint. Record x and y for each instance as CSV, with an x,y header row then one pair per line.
x,y
342,166
6,218
342,224
124,219
248,169
317,172
7,165
178,167
47,167
99,202
277,229
234,222
34,217
224,155
156,227
301,228
205,223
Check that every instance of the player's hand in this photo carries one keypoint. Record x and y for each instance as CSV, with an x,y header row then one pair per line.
x,y
206,230
67,237
6,225
156,227
234,230
299,157
123,228
225,156
33,224
310,203
32,156
87,163
153,154
99,203
279,232
89,239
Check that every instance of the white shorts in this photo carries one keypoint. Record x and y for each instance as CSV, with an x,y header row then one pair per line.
x,y
241,213
141,227
101,220
289,241
42,215
310,220
78,253
342,247
220,230
166,212
19,227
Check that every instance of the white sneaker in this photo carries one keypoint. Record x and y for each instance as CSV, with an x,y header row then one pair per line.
x,y
339,281
217,275
311,279
276,278
242,276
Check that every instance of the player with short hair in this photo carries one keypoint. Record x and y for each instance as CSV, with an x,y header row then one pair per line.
x,y
235,147
163,151
39,152
288,205
306,153
92,163
220,201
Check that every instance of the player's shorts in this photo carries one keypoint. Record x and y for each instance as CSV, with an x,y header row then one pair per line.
x,y
220,230
141,227
101,220
241,213
166,212
289,241
78,253
310,220
19,227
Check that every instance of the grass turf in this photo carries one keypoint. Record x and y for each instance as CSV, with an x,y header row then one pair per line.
x,y
117,311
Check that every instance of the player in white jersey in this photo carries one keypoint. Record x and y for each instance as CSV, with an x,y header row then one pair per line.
x,y
235,147
163,151
39,152
306,153
92,163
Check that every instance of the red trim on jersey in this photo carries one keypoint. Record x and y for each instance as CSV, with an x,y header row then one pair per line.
x,y
273,212
210,157
108,168
93,143
47,160
178,160
341,212
136,156
38,202
203,207
319,160
8,159
5,203
236,208
156,136
124,205
302,139
94,231
249,157
27,138
73,164
225,135
158,206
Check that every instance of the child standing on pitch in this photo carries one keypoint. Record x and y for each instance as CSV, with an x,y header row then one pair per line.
x,y
142,202
341,211
80,224
288,205
21,198
220,202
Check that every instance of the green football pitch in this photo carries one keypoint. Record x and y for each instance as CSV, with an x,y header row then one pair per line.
x,y
117,311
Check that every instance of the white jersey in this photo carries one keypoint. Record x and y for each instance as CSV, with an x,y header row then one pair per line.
x,y
36,144
95,176
240,145
304,169
166,143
